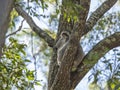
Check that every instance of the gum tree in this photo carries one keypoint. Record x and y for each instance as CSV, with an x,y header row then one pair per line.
x,y
73,17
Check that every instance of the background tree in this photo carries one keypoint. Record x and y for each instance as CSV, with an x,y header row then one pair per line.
x,y
74,16
4,20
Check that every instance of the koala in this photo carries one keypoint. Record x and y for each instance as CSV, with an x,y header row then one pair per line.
x,y
61,46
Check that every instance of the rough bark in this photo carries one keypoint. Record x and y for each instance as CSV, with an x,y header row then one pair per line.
x,y
53,69
94,55
61,78
5,9
97,14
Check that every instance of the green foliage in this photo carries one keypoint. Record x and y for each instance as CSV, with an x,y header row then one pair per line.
x,y
107,70
13,70
71,10
13,18
51,33
114,84
94,86
109,21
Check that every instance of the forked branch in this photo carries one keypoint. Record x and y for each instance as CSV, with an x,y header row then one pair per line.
x,y
94,55
97,14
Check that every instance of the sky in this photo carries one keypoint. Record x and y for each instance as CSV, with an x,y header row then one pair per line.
x,y
83,85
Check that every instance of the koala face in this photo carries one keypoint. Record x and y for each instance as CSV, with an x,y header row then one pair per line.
x,y
64,37
61,46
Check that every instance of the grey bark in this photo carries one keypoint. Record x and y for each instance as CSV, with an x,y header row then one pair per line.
x,y
61,78
94,55
34,27
5,9
97,14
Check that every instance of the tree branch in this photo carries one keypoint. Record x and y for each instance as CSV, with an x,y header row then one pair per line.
x,y
97,14
20,27
62,79
83,14
94,55
34,27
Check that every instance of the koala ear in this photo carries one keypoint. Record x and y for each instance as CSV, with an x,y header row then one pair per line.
x,y
65,35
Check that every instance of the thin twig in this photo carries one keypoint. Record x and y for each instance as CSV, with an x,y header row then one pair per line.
x,y
20,27
34,57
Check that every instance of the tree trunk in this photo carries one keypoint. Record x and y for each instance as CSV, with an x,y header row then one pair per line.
x,y
5,9
62,78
